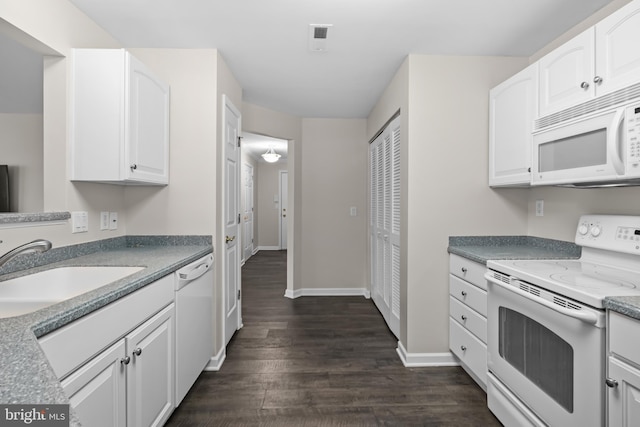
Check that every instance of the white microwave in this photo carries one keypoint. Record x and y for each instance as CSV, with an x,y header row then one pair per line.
x,y
602,149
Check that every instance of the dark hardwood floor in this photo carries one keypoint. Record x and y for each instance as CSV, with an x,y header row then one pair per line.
x,y
322,361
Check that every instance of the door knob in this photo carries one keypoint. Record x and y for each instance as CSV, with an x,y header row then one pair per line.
x,y
229,239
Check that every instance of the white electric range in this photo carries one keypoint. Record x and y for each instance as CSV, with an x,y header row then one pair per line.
x,y
546,326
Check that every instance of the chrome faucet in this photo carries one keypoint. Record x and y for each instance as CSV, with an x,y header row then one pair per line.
x,y
39,245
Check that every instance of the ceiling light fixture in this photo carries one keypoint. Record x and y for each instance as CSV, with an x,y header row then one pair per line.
x,y
271,156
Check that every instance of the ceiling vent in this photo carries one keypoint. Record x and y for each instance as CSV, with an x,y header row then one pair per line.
x,y
318,37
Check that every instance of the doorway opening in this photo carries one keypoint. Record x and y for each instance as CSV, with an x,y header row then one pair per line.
x,y
264,197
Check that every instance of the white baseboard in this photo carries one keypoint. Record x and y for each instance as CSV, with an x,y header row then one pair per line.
x,y
417,360
216,361
268,248
327,292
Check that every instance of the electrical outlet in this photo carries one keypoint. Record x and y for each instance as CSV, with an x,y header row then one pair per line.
x,y
353,211
539,207
104,220
113,220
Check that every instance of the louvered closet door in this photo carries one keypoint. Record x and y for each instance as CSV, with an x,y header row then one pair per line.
x,y
384,159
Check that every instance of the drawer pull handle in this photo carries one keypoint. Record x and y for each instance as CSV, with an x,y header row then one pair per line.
x,y
125,360
464,293
611,383
464,270
137,351
463,348
464,318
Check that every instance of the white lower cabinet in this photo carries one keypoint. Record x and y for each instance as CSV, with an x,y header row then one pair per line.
x,y
468,316
130,383
97,391
117,364
623,371
150,372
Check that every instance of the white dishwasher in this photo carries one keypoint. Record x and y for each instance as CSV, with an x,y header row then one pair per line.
x,y
194,322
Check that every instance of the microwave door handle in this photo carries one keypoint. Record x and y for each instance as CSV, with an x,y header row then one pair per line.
x,y
616,137
586,317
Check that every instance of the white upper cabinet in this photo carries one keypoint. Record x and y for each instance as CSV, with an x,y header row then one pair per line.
x,y
513,106
599,61
119,120
566,74
617,49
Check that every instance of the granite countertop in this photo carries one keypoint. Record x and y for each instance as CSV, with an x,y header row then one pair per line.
x,y
25,374
483,248
629,306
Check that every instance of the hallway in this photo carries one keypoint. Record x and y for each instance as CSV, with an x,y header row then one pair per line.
x,y
322,361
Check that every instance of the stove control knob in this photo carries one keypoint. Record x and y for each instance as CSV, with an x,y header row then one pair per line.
x,y
583,229
595,231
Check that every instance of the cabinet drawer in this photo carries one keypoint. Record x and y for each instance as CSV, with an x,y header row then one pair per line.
x,y
469,319
468,294
468,270
623,331
470,350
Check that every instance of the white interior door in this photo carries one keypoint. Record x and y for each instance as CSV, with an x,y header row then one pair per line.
x,y
384,225
284,176
247,235
231,132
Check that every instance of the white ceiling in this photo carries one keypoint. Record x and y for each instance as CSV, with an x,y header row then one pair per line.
x,y
265,42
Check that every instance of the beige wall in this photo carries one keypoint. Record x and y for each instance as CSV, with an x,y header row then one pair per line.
x,y
188,204
268,218
334,178
21,148
444,179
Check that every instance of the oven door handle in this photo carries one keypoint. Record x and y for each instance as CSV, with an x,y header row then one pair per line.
x,y
586,317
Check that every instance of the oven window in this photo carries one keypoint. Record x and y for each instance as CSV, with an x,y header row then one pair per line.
x,y
539,354
587,149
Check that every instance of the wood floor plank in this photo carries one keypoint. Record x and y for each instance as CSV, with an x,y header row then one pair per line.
x,y
322,361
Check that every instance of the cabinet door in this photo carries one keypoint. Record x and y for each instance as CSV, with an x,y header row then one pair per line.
x,y
147,129
96,391
566,74
513,106
624,399
617,52
150,380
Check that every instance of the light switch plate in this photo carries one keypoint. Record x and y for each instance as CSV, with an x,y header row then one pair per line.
x,y
79,222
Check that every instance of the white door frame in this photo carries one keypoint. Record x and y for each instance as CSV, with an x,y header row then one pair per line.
x,y
230,229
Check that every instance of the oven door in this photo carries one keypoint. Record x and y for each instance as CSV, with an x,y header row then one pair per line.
x,y
550,359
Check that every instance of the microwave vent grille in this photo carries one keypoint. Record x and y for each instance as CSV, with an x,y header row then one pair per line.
x,y
602,102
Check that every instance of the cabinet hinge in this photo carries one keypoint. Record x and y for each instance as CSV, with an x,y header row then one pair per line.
x,y
239,141
239,292
238,218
